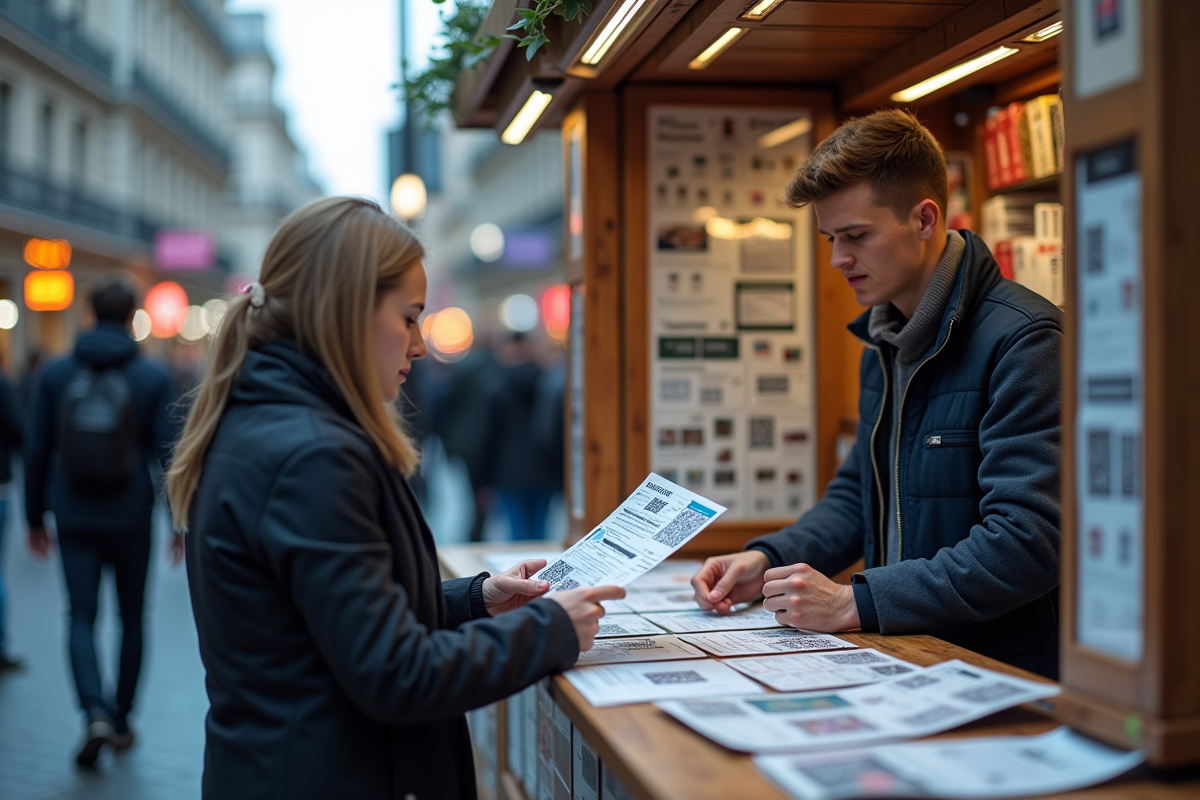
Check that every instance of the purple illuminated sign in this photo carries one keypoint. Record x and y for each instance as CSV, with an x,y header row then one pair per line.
x,y
180,250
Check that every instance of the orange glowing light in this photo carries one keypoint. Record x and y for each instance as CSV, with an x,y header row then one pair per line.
x,y
451,331
49,291
556,310
48,253
167,305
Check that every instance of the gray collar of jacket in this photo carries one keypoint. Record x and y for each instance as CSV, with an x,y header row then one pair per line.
x,y
915,337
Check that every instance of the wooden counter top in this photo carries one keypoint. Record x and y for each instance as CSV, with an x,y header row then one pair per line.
x,y
658,758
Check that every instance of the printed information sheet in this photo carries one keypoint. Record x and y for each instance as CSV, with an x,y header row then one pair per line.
x,y
929,701
626,625
644,602
652,523
772,640
643,648
1003,766
699,621
806,671
619,684
674,574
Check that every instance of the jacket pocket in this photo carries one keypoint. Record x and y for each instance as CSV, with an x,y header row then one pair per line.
x,y
952,439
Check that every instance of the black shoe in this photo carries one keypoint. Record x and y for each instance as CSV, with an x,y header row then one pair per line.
x,y
99,733
8,662
123,736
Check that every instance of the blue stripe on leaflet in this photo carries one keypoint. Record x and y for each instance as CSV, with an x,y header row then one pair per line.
x,y
708,512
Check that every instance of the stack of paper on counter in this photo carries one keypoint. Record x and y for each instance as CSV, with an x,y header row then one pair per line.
x,y
807,671
761,642
612,625
698,621
618,684
1005,766
929,701
653,522
642,648
649,601
676,574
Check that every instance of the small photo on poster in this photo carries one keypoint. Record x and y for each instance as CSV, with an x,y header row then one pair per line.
x,y
724,455
767,247
794,437
772,386
668,437
764,475
793,355
764,506
766,306
675,390
711,395
723,427
762,348
795,477
682,237
694,478
724,477
693,437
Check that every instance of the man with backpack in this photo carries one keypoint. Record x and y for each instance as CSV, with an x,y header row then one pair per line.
x,y
99,431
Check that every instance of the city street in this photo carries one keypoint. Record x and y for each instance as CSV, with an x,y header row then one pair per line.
x,y
40,726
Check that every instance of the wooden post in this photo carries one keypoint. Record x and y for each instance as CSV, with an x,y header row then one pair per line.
x,y
1130,665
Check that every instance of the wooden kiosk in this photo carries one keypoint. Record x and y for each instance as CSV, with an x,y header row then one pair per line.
x,y
708,335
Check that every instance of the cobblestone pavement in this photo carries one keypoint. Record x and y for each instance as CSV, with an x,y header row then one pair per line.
x,y
40,725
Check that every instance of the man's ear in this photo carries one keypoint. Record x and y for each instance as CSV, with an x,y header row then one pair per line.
x,y
928,216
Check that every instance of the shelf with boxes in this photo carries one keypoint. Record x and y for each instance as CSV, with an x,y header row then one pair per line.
x,y
1022,219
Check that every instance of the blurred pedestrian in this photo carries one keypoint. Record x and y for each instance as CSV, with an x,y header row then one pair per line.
x,y
33,367
339,665
98,429
518,459
10,444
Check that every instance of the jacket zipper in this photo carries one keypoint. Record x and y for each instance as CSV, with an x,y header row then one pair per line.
x,y
874,463
899,425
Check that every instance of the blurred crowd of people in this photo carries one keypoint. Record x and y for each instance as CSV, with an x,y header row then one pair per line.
x,y
499,412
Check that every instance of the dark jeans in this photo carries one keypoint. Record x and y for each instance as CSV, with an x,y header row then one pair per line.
x,y
84,556
526,510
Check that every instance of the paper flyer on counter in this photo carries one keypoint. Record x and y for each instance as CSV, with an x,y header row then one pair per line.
x,y
644,602
699,621
987,767
801,672
653,522
673,574
762,642
641,648
930,701
614,625
620,684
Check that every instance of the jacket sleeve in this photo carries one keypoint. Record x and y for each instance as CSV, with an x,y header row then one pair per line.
x,y
1011,557
39,441
320,536
829,536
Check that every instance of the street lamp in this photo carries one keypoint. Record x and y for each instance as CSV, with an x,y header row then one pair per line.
x,y
408,196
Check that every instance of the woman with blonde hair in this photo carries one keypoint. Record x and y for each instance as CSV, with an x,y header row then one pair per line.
x,y
338,663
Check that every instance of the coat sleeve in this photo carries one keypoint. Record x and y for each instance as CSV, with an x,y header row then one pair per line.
x,y
464,599
39,442
829,536
1011,557
321,538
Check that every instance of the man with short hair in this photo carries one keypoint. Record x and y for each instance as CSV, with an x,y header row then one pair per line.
x,y
951,491
99,431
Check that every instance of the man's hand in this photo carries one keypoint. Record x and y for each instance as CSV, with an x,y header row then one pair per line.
x,y
724,581
176,549
804,598
39,542
513,589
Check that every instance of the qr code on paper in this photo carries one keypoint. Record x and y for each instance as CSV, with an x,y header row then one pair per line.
x,y
856,658
1099,462
667,678
714,708
988,693
773,384
557,573
675,389
680,528
762,433
891,669
656,505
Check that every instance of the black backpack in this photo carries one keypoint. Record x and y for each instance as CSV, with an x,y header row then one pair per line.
x,y
98,447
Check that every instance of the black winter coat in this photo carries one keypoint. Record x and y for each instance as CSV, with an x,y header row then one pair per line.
x,y
339,664
126,511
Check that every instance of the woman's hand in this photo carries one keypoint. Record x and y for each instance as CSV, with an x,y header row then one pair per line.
x,y
583,607
513,589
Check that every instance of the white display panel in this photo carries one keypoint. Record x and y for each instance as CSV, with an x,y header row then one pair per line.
x,y
732,404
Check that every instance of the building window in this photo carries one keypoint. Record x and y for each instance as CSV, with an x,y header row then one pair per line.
x,y
5,121
79,153
46,138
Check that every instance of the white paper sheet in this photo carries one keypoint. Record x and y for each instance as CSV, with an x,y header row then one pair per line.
x,y
930,701
640,648
671,574
653,522
772,640
1005,766
644,602
699,621
619,684
504,561
616,607
612,625
800,672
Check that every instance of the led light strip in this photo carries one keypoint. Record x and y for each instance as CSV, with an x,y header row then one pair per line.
x,y
611,32
716,48
760,9
526,118
953,74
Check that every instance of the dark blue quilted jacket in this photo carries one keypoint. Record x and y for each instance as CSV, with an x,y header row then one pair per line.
x,y
978,457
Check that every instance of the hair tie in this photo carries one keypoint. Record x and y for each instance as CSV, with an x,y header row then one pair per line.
x,y
258,295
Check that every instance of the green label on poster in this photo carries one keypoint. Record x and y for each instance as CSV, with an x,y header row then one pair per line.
x,y
676,347
719,348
